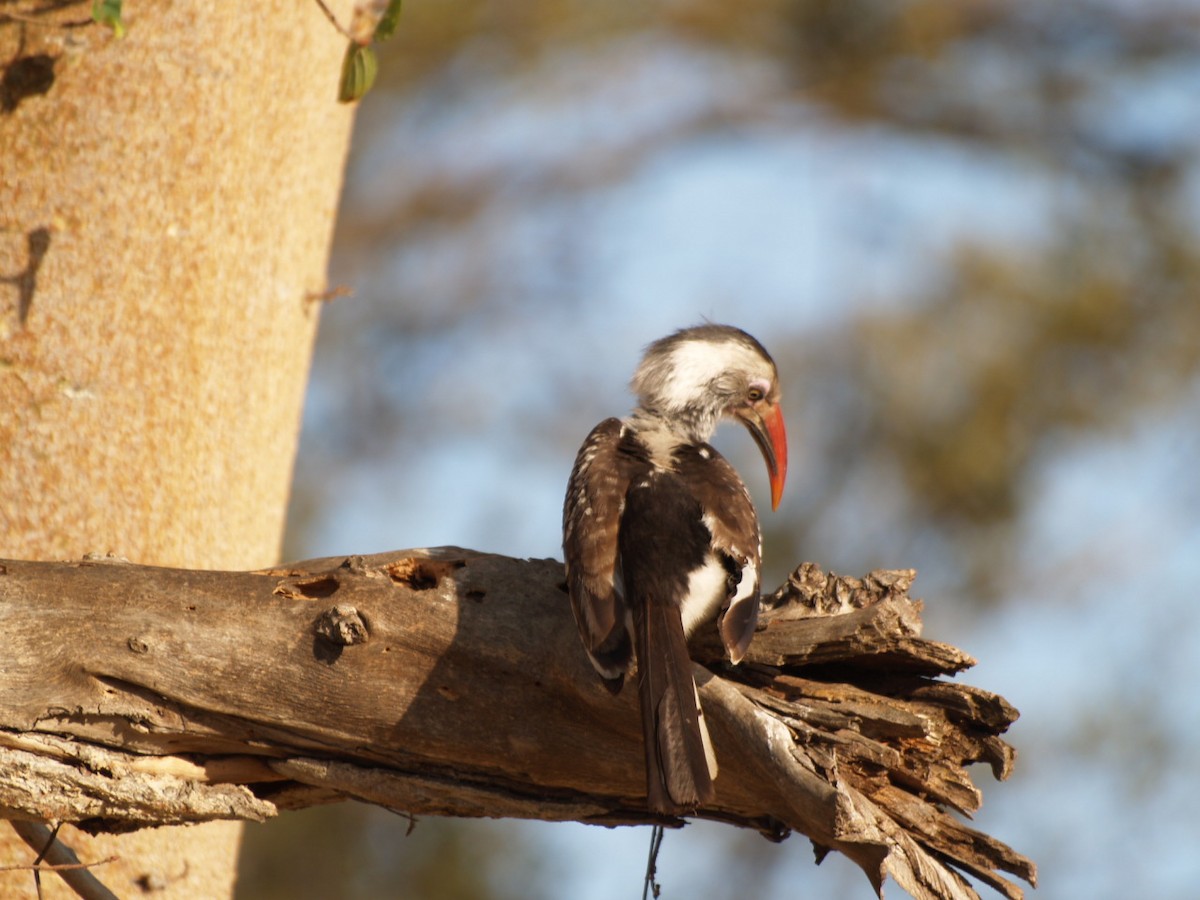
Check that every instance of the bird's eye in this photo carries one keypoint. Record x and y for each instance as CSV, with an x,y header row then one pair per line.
x,y
755,394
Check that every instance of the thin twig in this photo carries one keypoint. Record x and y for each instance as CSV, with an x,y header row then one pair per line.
x,y
59,867
7,17
649,888
78,878
334,22
333,293
37,860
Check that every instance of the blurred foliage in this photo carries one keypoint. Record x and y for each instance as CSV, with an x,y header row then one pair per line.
x,y
942,404
108,12
963,386
349,851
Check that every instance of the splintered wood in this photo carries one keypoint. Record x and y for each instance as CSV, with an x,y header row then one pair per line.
x,y
841,662
450,682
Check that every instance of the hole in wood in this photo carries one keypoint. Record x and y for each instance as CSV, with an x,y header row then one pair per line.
x,y
421,574
316,588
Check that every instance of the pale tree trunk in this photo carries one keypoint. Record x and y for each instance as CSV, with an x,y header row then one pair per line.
x,y
166,205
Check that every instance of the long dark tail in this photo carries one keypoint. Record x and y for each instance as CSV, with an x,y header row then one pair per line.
x,y
679,764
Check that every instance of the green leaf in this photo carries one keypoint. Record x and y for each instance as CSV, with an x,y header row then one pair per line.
x,y
108,12
388,21
358,72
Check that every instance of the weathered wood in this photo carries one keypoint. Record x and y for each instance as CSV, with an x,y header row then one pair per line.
x,y
450,682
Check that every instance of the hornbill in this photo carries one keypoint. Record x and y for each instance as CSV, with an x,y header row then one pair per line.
x,y
660,536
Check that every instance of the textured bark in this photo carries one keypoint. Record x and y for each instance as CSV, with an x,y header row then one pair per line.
x,y
166,203
452,683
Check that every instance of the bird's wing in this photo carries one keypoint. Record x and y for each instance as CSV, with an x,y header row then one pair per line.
x,y
729,515
591,522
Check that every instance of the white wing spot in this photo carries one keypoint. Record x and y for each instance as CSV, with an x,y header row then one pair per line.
x,y
705,594
747,584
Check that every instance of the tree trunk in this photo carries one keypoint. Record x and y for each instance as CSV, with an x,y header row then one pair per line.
x,y
166,204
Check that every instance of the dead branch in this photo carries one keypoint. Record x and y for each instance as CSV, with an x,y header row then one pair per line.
x,y
450,682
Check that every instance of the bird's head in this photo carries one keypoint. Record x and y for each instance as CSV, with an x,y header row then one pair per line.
x,y
695,377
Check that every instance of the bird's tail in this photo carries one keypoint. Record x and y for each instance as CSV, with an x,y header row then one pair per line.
x,y
680,764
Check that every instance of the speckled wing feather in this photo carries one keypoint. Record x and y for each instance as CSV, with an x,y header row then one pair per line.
x,y
592,511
